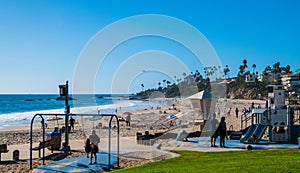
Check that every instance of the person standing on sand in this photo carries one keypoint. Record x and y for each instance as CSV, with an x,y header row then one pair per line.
x,y
223,132
219,111
213,130
228,112
128,119
236,112
72,121
251,106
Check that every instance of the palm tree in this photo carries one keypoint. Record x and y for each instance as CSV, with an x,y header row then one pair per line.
x,y
164,81
276,67
142,87
159,85
205,72
243,68
254,67
168,83
286,69
267,69
245,63
226,71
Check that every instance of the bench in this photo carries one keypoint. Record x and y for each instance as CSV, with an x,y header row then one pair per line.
x,y
46,144
3,149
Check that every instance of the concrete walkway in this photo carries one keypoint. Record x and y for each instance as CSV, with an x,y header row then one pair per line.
x,y
128,146
79,164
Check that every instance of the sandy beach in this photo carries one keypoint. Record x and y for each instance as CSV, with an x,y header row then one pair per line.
x,y
153,120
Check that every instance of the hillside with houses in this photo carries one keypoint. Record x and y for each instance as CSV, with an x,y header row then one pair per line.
x,y
246,85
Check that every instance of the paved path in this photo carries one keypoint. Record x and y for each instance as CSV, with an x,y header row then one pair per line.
x,y
78,164
129,145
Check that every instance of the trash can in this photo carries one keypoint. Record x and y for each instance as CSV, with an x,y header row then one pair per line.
x,y
56,139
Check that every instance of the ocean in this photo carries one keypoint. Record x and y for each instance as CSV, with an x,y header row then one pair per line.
x,y
16,109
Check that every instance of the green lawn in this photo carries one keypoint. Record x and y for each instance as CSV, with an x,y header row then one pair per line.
x,y
233,162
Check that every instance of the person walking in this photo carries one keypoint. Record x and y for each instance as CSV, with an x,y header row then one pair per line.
x,y
223,132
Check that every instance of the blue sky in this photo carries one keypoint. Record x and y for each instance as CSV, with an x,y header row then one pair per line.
x,y
41,41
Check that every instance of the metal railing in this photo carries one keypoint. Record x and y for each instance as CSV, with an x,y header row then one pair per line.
x,y
112,116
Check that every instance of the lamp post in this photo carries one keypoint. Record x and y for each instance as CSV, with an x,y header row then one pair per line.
x,y
64,92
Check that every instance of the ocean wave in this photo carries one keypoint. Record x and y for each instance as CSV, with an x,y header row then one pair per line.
x,y
25,117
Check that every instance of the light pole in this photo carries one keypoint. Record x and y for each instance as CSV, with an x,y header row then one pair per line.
x,y
64,92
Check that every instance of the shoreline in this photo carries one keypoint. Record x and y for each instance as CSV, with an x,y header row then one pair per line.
x,y
141,120
24,118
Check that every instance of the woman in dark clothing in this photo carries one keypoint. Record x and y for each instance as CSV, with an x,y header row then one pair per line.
x,y
223,132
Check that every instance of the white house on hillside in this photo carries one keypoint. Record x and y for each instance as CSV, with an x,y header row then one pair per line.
x,y
289,80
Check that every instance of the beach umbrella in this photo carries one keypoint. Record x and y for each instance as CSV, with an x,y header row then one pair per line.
x,y
171,116
95,118
127,113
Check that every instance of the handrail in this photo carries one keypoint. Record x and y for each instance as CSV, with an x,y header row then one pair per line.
x,y
43,121
109,140
246,119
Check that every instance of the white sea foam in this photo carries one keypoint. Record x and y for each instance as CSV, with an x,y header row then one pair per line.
x,y
25,117
110,108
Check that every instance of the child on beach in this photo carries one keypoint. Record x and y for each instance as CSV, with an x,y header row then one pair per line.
x,y
228,112
87,147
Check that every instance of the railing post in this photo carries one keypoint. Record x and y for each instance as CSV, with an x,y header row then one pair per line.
x,y
43,121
